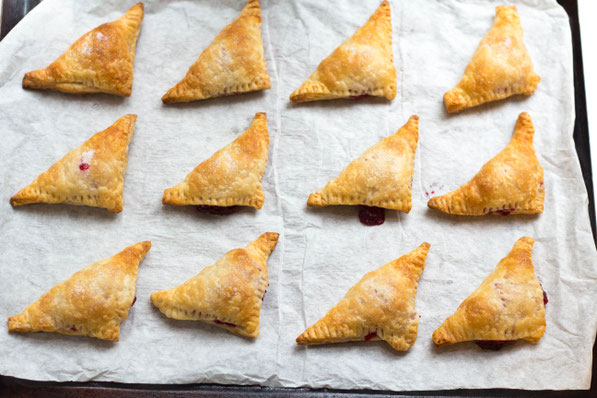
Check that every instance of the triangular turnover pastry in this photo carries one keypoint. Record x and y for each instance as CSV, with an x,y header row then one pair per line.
x,y
380,177
510,183
509,305
100,61
92,302
227,294
91,174
381,306
232,64
361,66
232,176
500,67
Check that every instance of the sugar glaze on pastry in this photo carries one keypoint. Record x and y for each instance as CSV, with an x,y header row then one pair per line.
x,y
363,65
100,61
92,302
91,174
510,183
508,305
500,67
230,177
232,64
227,294
381,306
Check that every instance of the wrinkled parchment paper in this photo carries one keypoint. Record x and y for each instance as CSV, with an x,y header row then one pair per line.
x,y
321,253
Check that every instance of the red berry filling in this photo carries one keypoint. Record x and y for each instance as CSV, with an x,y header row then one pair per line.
x,y
371,215
74,329
494,345
217,210
232,325
134,301
545,300
370,336
503,212
358,96
84,166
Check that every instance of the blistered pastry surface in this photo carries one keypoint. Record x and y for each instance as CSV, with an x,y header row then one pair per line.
x,y
381,304
228,294
232,64
508,305
100,61
500,67
92,302
91,174
381,177
230,177
363,65
512,182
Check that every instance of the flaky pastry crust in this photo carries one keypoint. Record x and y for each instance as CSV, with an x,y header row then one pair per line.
x,y
381,306
500,67
363,65
381,177
507,306
100,61
510,183
91,174
232,176
232,64
227,294
92,302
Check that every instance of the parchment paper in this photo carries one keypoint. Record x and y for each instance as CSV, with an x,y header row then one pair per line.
x,y
321,253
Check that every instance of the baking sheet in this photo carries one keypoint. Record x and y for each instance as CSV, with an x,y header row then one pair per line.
x,y
321,252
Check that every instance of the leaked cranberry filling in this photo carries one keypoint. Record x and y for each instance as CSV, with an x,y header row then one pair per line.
x,y
74,329
232,325
545,300
503,212
217,210
493,345
134,301
84,166
358,96
370,215
370,336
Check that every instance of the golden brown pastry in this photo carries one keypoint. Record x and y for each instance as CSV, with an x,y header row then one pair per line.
x,y
92,302
362,66
380,177
91,174
509,305
381,306
510,183
100,61
227,294
232,176
232,64
500,66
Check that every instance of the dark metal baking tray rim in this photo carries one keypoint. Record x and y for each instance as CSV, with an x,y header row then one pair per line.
x,y
29,387
14,10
